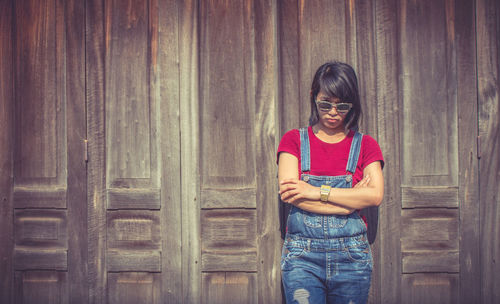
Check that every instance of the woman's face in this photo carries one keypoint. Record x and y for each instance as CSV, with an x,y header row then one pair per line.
x,y
330,118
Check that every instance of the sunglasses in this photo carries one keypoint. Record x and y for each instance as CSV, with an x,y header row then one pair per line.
x,y
341,108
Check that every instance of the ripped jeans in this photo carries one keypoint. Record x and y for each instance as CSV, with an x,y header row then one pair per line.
x,y
336,270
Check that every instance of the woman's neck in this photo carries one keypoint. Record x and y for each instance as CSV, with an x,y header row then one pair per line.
x,y
328,135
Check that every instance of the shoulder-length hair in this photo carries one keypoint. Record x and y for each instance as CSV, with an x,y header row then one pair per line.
x,y
337,79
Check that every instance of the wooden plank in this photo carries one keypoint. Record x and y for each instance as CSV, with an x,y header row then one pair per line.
x,y
133,260
488,54
228,228
40,259
229,287
228,240
470,250
135,198
167,88
430,229
367,83
228,198
428,79
222,260
430,261
189,143
76,134
431,288
131,111
41,229
133,230
41,287
6,152
96,200
39,197
38,107
429,197
289,70
134,287
266,287
388,113
227,95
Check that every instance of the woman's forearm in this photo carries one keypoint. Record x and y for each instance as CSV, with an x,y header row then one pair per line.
x,y
356,198
322,207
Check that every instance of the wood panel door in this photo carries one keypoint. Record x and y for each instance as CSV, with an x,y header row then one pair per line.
x,y
134,206
45,187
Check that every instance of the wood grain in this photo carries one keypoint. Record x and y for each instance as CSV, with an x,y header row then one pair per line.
x,y
189,145
96,179
134,287
266,139
6,152
469,177
430,288
166,89
488,51
229,287
429,197
135,198
387,86
41,287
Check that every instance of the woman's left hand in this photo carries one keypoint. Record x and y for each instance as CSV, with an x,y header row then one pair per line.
x,y
292,190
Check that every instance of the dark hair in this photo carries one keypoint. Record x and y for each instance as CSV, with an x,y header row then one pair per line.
x,y
337,79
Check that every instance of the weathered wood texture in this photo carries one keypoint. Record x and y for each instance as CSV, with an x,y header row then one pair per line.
x,y
49,168
430,152
268,283
468,191
229,287
76,135
238,81
133,122
189,103
387,267
488,81
96,179
166,90
6,153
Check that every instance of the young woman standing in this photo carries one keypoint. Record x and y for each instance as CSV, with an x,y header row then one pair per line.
x,y
327,172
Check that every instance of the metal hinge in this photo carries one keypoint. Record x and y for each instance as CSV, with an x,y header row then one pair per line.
x,y
479,146
86,150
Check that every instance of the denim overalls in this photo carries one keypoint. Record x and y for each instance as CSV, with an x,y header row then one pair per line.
x,y
326,258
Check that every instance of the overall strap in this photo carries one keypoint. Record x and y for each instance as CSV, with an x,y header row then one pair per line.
x,y
354,153
305,156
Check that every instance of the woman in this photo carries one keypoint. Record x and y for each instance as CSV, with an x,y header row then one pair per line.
x,y
326,256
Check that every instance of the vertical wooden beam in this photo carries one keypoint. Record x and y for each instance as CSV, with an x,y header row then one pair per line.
x,y
167,85
289,66
386,41
367,78
488,60
96,184
266,129
6,164
470,267
189,142
76,135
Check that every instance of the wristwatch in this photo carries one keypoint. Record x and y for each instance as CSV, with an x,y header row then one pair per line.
x,y
324,191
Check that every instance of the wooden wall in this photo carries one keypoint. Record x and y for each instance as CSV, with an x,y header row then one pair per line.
x,y
139,137
488,84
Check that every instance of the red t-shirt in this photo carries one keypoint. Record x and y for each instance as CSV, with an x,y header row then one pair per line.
x,y
331,159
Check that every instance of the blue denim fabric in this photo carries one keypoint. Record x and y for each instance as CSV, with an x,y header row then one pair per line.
x,y
326,258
